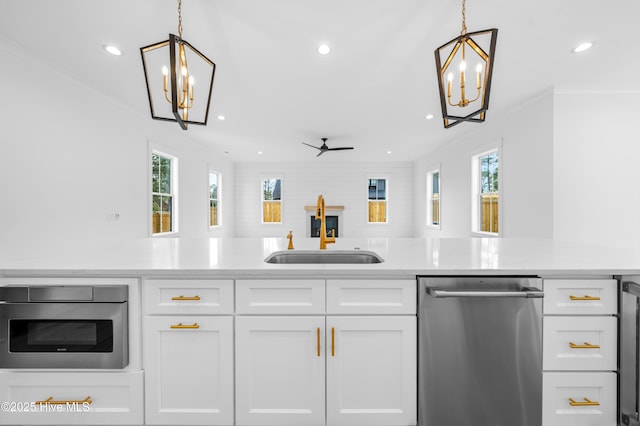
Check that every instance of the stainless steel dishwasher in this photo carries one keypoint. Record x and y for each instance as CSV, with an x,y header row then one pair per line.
x,y
480,351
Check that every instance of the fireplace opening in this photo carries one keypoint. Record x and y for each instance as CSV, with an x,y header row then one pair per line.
x,y
331,223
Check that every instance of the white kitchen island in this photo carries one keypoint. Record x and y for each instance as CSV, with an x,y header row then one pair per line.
x,y
218,336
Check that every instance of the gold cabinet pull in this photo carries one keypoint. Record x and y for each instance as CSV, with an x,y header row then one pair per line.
x,y
333,341
181,297
180,325
318,340
586,345
51,401
585,297
586,402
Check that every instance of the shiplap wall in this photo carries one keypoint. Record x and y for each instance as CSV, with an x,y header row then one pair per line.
x,y
343,184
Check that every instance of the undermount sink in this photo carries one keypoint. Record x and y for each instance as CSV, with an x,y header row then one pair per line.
x,y
323,256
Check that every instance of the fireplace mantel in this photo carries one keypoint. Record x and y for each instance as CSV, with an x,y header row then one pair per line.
x,y
326,208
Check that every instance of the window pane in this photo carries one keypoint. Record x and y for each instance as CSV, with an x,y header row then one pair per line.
x,y
271,212
489,212
489,173
213,212
272,189
155,173
213,186
377,189
165,175
436,183
161,215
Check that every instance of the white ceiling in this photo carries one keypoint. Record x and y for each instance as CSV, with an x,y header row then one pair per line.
x,y
372,92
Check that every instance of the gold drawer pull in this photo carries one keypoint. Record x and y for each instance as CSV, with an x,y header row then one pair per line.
x,y
51,401
180,325
181,297
333,341
585,297
587,402
586,345
318,340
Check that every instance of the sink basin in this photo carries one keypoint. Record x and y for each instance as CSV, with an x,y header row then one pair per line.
x,y
323,256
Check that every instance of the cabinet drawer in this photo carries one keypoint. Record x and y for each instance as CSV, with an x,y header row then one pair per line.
x,y
280,296
579,399
580,343
188,296
580,297
116,398
371,296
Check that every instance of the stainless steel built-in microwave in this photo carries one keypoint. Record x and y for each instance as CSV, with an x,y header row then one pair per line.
x,y
64,327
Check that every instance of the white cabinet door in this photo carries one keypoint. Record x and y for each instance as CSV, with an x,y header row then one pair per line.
x,y
189,370
371,371
280,371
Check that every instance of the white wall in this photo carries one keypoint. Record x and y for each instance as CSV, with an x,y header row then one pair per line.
x,y
597,168
342,184
526,165
70,157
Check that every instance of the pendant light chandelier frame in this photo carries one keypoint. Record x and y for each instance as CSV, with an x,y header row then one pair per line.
x,y
178,78
457,50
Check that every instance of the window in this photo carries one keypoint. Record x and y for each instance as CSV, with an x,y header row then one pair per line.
x,y
272,200
163,186
378,193
433,198
486,194
214,199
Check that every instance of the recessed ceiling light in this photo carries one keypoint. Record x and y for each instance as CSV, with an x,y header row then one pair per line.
x,y
324,49
260,152
388,152
222,117
112,49
429,116
582,47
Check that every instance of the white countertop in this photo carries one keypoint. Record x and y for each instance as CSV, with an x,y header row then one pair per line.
x,y
403,257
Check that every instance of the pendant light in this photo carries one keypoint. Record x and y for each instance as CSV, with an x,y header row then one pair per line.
x,y
179,79
459,100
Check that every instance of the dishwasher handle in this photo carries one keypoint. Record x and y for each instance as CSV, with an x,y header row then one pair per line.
x,y
525,293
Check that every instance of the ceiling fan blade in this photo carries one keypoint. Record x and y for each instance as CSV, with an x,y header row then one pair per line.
x,y
311,146
322,151
340,148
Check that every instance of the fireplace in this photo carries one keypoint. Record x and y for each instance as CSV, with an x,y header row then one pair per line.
x,y
331,223
333,216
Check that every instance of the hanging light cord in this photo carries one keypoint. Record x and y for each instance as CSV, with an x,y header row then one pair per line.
x,y
464,18
180,19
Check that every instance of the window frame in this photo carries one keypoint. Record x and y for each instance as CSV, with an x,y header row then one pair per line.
x,y
430,199
476,192
218,199
174,185
385,199
280,201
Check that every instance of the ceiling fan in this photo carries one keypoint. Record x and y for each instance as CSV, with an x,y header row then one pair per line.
x,y
324,148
